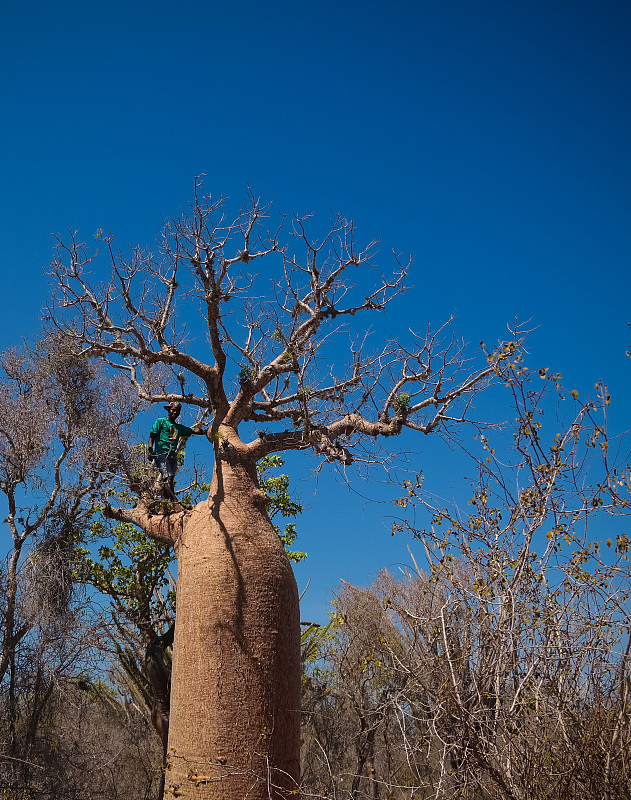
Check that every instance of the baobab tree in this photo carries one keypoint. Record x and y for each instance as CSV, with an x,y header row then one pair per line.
x,y
262,366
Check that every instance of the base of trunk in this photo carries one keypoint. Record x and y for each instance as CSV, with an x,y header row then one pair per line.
x,y
235,700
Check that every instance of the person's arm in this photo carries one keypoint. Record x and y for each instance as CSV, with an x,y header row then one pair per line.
x,y
196,431
154,435
150,453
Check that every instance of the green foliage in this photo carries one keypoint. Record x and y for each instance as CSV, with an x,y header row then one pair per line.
x,y
280,502
132,569
402,401
246,375
314,641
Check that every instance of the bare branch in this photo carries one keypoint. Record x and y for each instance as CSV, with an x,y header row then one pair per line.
x,y
270,358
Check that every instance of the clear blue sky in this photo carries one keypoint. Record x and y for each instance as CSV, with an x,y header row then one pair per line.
x,y
489,139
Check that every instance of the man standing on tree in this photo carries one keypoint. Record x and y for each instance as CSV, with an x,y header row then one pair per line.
x,y
164,442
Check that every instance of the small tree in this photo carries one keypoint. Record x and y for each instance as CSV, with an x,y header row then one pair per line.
x,y
524,609
62,426
266,373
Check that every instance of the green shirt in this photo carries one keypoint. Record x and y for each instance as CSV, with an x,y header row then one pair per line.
x,y
167,435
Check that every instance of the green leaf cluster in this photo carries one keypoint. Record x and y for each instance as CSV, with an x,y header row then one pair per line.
x,y
280,502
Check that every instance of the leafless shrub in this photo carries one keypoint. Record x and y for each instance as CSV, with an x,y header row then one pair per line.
x,y
79,742
501,669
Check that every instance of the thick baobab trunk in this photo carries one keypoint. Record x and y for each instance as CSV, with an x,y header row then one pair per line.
x,y
235,700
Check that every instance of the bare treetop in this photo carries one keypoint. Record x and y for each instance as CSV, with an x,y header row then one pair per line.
x,y
269,357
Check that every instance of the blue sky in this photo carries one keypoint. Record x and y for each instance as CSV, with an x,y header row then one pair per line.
x,y
488,139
